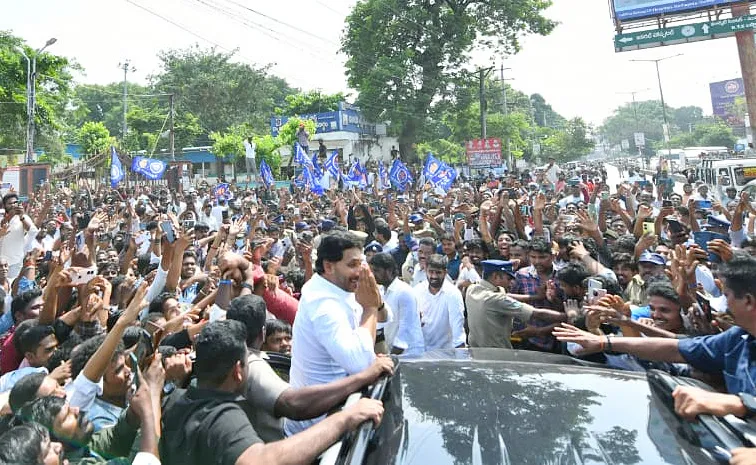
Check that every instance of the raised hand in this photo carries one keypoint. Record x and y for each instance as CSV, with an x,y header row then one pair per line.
x,y
367,293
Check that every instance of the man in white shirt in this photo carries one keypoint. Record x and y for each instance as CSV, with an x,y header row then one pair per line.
x,y
552,171
15,228
425,250
404,335
442,311
335,330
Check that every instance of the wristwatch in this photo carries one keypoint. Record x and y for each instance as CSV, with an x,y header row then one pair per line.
x,y
248,286
749,402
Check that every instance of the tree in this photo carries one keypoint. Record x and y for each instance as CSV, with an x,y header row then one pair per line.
x,y
404,55
220,92
94,138
53,87
442,149
645,117
685,118
313,101
267,149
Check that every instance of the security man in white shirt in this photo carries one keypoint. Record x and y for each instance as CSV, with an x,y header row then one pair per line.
x,y
442,310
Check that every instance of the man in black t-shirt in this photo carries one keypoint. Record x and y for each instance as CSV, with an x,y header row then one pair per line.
x,y
208,424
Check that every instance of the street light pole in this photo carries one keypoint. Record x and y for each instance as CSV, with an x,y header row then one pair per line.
x,y
665,129
31,96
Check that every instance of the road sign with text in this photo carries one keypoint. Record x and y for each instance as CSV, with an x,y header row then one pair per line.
x,y
683,33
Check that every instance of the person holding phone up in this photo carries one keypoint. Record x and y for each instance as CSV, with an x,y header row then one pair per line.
x,y
15,228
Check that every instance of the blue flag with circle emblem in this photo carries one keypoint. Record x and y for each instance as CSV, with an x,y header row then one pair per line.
x,y
149,168
438,173
332,164
116,168
400,175
222,190
357,175
266,174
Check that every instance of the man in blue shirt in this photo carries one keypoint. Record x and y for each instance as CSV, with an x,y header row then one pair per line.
x,y
731,353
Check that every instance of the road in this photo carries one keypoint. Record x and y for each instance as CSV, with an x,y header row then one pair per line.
x,y
613,178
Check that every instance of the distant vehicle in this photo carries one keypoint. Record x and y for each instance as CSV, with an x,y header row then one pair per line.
x,y
736,172
501,407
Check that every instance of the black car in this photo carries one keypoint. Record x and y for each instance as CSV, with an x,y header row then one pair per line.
x,y
500,407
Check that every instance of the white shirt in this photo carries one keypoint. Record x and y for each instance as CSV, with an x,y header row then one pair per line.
x,y
405,331
418,275
13,244
468,274
442,316
328,342
249,149
552,174
208,220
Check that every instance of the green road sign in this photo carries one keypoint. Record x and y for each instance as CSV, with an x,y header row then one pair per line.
x,y
683,33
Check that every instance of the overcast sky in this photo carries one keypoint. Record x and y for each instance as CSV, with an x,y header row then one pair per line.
x,y
575,68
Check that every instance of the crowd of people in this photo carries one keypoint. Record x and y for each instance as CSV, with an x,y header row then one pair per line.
x,y
140,324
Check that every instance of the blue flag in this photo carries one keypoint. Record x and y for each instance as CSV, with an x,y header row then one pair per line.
x,y
357,175
266,174
300,156
222,190
309,182
317,169
149,168
332,165
116,168
400,175
383,180
438,173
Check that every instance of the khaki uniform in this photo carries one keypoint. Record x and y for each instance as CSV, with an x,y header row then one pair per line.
x,y
490,313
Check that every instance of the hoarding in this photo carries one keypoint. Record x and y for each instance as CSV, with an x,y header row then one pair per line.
x,y
723,96
483,153
683,33
628,10
324,122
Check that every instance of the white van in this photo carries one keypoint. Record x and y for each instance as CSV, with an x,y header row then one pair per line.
x,y
732,172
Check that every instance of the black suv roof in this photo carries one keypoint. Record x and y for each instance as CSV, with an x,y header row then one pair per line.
x,y
489,406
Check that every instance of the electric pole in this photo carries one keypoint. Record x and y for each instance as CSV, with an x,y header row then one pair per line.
x,y
505,111
482,74
172,136
125,66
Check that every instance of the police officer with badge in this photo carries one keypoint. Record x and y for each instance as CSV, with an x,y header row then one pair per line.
x,y
490,310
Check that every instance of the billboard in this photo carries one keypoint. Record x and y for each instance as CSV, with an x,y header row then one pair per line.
x,y
325,122
723,95
483,153
629,10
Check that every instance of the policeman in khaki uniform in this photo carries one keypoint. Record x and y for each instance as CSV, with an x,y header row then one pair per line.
x,y
490,310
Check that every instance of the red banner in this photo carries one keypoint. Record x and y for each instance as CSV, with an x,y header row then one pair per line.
x,y
483,153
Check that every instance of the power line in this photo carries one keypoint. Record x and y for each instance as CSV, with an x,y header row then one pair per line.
x,y
283,23
185,29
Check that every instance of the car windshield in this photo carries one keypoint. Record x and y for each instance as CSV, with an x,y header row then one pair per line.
x,y
444,413
743,175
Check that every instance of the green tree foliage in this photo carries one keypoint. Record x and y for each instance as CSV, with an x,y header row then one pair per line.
x,y
94,138
442,149
570,144
405,55
221,92
712,134
310,102
645,117
53,88
267,149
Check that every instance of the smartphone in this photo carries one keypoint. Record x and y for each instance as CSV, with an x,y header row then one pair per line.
x,y
224,214
82,275
703,204
459,216
188,224
648,226
675,226
702,238
223,297
666,203
48,256
134,365
704,302
605,196
142,226
170,234
593,284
